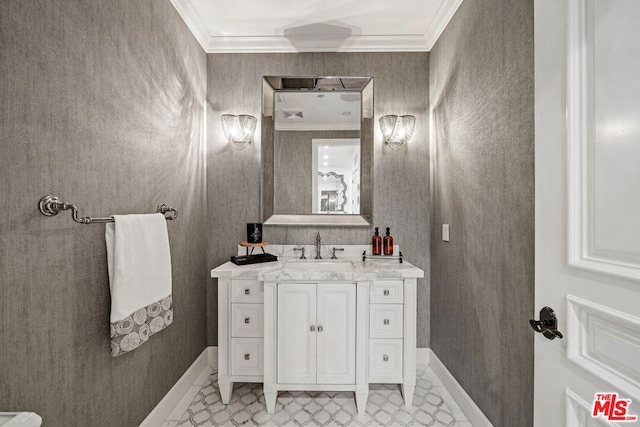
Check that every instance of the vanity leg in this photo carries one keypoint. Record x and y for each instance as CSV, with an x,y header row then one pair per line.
x,y
362,394
270,397
226,387
407,393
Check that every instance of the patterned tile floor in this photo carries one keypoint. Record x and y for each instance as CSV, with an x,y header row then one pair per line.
x,y
385,407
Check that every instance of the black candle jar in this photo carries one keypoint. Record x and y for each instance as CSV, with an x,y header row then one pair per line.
x,y
254,232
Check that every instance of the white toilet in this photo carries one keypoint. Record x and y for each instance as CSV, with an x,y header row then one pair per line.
x,y
20,419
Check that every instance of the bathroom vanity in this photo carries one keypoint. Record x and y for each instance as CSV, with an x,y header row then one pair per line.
x,y
317,325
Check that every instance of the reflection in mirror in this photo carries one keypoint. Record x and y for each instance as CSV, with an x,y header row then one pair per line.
x,y
331,195
333,160
316,150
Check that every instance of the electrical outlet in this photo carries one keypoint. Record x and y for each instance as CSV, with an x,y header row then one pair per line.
x,y
445,232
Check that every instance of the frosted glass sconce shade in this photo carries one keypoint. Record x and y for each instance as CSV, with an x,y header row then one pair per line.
x,y
397,130
238,129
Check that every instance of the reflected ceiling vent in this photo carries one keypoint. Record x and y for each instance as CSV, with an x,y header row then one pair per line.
x,y
320,83
350,97
293,114
298,83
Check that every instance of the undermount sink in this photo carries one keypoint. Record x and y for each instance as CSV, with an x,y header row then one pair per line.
x,y
318,265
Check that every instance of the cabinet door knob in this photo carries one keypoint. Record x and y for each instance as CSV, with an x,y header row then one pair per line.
x,y
312,328
247,291
386,292
247,356
247,320
385,358
320,328
386,321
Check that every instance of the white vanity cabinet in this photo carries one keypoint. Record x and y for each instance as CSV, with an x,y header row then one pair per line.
x,y
240,333
317,326
316,333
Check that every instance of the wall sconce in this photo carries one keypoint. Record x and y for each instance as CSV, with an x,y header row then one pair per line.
x,y
238,129
397,130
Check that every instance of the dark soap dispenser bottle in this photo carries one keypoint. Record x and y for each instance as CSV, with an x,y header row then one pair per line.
x,y
387,243
376,243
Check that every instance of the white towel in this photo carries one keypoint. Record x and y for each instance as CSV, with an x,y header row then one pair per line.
x,y
139,265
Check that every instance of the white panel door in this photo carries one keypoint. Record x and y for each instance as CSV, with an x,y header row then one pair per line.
x,y
297,333
336,318
587,97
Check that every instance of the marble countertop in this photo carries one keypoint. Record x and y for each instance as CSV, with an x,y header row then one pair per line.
x,y
344,269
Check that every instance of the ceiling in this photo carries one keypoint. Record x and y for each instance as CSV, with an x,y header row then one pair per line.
x,y
317,111
316,25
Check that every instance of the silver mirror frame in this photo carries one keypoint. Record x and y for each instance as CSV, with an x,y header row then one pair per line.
x,y
270,84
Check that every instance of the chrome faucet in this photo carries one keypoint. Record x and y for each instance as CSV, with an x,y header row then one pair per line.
x,y
318,240
301,248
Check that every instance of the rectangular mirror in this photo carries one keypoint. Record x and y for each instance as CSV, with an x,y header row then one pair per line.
x,y
317,151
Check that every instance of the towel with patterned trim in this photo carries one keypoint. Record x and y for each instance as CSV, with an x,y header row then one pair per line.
x,y
139,263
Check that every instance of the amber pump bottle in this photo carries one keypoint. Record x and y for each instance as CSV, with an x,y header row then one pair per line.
x,y
387,243
376,243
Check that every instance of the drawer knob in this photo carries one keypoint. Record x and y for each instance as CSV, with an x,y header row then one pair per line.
x,y
247,291
386,321
247,356
385,358
320,328
247,320
312,328
386,292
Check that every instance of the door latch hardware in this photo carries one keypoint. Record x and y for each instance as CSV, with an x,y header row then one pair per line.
x,y
547,325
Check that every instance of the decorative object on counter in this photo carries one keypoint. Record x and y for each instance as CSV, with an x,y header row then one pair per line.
x,y
376,243
397,130
254,232
250,258
387,243
238,129
365,256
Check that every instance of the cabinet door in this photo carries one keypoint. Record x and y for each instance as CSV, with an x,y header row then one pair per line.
x,y
296,339
336,318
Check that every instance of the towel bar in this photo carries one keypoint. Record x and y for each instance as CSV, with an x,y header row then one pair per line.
x,y
51,206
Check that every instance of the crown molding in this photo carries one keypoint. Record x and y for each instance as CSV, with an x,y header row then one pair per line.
x,y
280,44
446,11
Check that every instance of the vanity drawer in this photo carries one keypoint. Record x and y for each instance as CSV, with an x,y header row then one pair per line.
x,y
247,320
247,356
387,292
247,290
385,320
385,361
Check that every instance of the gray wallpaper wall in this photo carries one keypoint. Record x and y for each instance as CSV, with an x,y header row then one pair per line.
x,y
102,104
481,92
401,179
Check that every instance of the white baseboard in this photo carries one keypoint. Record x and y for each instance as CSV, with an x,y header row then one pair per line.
x,y
422,358
452,389
177,400
213,356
